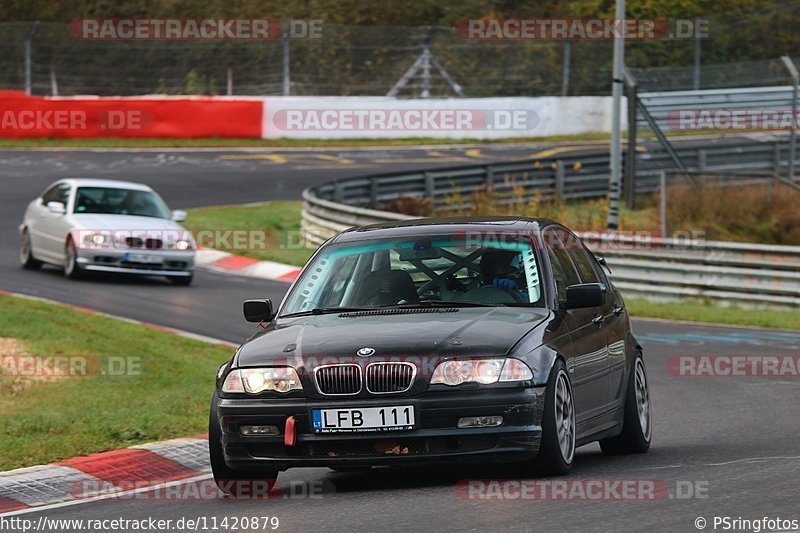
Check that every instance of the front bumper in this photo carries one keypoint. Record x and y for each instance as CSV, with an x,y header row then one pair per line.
x,y
168,262
436,437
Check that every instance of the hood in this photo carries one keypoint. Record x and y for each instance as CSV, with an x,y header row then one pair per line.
x,y
98,221
472,331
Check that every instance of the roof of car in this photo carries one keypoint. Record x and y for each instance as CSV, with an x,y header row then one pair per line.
x,y
448,225
114,184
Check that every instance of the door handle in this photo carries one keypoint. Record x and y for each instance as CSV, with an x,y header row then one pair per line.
x,y
598,320
618,309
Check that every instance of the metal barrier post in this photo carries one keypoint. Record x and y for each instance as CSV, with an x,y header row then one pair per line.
x,y
559,179
27,52
787,61
662,205
629,182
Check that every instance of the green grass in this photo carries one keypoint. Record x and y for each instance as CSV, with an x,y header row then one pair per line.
x,y
214,142
279,221
710,313
48,421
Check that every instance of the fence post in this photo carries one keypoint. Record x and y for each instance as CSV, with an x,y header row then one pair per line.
x,y
701,159
27,53
53,82
286,69
776,160
559,179
565,68
229,91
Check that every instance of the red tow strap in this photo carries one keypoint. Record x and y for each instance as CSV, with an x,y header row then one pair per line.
x,y
289,435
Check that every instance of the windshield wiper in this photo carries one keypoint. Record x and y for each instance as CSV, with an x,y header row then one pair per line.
x,y
327,311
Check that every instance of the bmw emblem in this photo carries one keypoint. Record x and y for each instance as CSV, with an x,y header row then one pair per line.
x,y
366,352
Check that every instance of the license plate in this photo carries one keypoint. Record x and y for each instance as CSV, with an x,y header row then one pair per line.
x,y
363,419
144,258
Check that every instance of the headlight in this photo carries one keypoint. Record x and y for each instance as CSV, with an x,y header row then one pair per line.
x,y
484,371
256,380
95,239
183,245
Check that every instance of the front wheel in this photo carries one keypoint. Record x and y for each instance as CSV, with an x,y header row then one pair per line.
x,y
26,253
557,449
71,268
236,483
637,425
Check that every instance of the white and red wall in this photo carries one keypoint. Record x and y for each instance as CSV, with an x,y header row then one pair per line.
x,y
301,117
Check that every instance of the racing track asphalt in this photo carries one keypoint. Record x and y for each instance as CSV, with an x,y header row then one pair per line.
x,y
735,440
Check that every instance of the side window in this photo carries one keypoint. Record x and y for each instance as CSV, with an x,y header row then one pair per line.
x,y
563,270
62,193
583,260
50,195
58,193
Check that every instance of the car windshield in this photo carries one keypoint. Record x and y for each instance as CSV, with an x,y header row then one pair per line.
x,y
115,201
434,270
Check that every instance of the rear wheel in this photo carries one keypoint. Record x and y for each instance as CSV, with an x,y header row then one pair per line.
x,y
637,425
71,268
557,449
26,252
236,483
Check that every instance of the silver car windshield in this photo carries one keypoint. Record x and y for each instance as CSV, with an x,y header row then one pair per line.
x,y
114,201
415,271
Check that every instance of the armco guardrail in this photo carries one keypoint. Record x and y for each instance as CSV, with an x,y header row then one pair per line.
x,y
572,175
739,273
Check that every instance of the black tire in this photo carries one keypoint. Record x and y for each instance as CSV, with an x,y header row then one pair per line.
x,y
634,437
552,457
182,280
26,258
71,268
236,483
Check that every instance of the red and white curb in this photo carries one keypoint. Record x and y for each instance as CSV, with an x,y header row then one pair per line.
x,y
219,261
106,473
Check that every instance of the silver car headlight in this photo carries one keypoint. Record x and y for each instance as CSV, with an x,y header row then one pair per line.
x,y
91,238
483,371
256,380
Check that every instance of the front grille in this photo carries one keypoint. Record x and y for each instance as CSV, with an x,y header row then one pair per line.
x,y
338,379
385,378
150,244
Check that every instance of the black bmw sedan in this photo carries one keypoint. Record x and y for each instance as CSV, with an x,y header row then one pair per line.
x,y
433,340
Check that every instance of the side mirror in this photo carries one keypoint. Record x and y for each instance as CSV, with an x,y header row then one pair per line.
x,y
258,310
585,295
178,215
57,208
